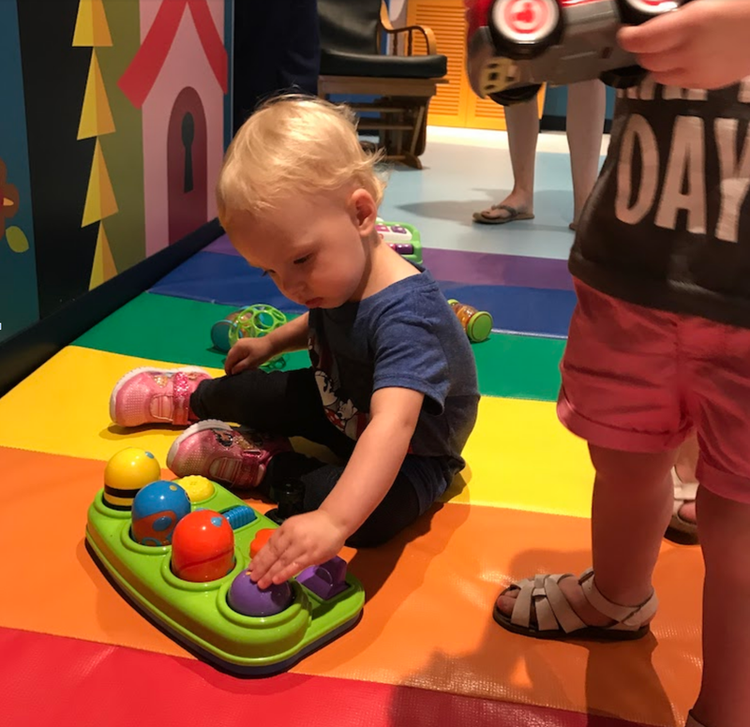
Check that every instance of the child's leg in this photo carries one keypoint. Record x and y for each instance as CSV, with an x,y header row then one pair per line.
x,y
630,510
285,403
280,404
620,393
724,527
399,508
268,402
631,507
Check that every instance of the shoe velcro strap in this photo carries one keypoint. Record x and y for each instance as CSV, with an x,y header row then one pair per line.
x,y
181,390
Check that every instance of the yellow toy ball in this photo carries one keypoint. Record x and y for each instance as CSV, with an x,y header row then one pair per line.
x,y
197,487
127,472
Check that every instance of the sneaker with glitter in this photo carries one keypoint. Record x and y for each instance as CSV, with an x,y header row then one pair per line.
x,y
155,396
215,450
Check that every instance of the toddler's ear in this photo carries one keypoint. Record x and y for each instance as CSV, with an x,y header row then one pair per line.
x,y
364,211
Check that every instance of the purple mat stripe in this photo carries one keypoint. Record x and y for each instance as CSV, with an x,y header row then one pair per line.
x,y
476,268
481,268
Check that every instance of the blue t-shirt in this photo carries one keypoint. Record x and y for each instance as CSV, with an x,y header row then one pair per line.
x,y
405,336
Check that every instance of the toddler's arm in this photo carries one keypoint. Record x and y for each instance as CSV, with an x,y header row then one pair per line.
x,y
317,536
701,45
250,353
292,336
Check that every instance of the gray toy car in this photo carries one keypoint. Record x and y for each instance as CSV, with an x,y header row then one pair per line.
x,y
514,46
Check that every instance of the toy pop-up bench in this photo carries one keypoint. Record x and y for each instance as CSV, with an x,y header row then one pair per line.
x,y
179,552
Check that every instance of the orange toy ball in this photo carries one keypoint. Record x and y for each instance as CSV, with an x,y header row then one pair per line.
x,y
261,538
202,547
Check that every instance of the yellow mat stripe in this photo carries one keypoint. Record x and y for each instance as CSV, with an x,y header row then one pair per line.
x,y
518,457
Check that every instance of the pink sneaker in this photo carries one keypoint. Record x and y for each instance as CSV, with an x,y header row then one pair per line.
x,y
215,450
155,396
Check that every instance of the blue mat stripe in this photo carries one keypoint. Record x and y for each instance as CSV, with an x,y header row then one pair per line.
x,y
229,280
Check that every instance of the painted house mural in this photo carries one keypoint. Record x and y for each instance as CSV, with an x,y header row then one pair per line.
x,y
126,164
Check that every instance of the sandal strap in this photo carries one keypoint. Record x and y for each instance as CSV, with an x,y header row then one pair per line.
x,y
553,611
561,608
628,618
683,491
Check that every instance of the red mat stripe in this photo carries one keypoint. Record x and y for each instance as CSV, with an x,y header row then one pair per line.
x,y
61,682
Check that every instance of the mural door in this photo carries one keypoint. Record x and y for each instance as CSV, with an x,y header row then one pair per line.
x,y
187,150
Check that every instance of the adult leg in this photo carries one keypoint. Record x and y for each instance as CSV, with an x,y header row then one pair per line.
x,y
300,63
585,128
523,131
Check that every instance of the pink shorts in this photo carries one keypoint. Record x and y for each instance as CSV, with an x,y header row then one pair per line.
x,y
636,379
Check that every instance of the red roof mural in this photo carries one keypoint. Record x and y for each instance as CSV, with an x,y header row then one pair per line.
x,y
138,80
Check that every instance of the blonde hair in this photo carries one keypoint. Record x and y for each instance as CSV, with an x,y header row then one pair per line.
x,y
293,144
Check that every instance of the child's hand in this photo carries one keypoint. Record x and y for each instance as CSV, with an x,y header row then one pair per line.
x,y
248,353
302,540
704,44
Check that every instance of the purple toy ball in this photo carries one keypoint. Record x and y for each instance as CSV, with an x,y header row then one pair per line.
x,y
246,598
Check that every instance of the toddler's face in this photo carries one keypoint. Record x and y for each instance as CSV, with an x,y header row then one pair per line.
x,y
312,247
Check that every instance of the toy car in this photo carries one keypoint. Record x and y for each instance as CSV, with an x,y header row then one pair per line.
x,y
514,46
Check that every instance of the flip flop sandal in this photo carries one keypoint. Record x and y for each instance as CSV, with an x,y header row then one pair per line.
x,y
682,531
556,619
514,215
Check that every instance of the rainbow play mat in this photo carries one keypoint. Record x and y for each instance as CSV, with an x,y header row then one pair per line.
x,y
426,651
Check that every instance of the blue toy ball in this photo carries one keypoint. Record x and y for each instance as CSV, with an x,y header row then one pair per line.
x,y
157,509
220,334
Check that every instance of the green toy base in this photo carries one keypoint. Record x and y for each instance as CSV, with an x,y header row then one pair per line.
x,y
197,614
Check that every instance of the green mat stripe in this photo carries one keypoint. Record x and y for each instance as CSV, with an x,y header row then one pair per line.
x,y
177,330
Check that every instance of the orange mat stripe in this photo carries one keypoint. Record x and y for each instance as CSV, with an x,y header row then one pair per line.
x,y
427,621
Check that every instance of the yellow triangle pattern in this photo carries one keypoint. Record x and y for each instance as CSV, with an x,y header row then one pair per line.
x,y
96,119
92,29
100,198
104,264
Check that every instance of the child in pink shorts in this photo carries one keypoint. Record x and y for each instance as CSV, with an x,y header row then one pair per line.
x,y
659,346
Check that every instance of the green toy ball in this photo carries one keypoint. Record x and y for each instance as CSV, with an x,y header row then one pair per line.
x,y
255,321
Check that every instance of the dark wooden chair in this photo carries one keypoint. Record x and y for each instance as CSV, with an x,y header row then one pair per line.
x,y
363,54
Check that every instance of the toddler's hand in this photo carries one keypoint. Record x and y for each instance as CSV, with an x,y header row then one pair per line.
x,y
302,541
248,353
701,45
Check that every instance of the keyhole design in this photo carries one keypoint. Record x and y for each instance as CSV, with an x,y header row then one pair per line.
x,y
188,137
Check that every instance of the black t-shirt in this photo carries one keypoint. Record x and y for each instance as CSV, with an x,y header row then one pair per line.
x,y
668,223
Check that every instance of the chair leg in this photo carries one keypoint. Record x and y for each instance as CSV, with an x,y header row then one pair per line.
x,y
419,135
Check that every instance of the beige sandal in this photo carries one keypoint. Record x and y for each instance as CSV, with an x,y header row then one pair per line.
x,y
680,530
557,620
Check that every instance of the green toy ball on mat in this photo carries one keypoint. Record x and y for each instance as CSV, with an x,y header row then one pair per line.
x,y
255,321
